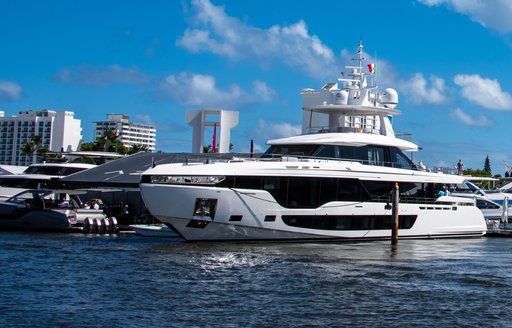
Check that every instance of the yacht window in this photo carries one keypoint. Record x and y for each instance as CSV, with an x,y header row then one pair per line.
x,y
348,222
346,152
277,187
375,155
328,190
400,160
295,150
379,188
484,204
249,182
351,190
327,152
303,192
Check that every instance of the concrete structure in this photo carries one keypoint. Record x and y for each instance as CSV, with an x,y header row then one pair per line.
x,y
223,120
59,131
130,134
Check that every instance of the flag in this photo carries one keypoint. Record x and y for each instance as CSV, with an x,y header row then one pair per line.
x,y
214,138
508,166
117,133
371,68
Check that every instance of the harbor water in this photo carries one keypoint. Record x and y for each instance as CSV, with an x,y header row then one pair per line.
x,y
75,280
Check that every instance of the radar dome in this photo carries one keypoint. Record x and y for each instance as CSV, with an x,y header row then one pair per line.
x,y
341,97
389,98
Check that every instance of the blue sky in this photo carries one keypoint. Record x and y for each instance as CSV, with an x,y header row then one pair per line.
x,y
449,60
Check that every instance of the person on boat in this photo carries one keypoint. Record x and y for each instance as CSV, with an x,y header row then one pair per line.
x,y
93,204
64,202
459,167
38,202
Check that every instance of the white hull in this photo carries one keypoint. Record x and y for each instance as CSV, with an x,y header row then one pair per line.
x,y
177,207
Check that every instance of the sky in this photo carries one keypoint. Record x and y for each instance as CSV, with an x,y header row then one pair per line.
x,y
449,60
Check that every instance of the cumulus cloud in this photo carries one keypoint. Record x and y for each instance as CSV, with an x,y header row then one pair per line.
x,y
467,119
10,91
418,90
484,92
218,33
493,14
202,90
145,118
103,76
269,130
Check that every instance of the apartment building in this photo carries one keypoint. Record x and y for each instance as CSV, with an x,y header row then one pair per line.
x,y
59,131
128,133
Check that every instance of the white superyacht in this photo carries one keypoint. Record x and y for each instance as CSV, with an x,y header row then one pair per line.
x,y
333,182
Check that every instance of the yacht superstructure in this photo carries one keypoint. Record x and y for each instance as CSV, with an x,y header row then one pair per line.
x,y
332,182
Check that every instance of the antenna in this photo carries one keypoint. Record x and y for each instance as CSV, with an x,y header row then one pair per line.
x,y
375,77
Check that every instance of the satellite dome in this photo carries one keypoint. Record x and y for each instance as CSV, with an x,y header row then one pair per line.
x,y
389,98
341,97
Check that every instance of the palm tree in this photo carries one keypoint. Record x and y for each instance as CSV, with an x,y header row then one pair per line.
x,y
109,142
33,148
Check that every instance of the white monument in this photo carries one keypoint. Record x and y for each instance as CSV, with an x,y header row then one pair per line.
x,y
222,120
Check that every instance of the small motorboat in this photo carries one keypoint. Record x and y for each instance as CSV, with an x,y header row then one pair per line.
x,y
48,210
153,230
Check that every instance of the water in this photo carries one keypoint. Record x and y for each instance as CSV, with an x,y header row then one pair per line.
x,y
60,280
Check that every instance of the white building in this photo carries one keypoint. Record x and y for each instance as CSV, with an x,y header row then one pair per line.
x,y
129,134
59,131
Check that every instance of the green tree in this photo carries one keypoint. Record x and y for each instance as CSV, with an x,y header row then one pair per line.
x,y
109,142
477,173
88,146
136,149
487,166
34,147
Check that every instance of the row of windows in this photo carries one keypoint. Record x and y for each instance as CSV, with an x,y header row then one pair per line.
x,y
348,222
313,192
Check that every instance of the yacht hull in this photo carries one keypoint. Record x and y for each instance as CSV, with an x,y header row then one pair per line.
x,y
241,214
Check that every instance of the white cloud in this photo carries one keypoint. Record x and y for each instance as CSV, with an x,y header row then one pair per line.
x,y
484,92
112,74
465,118
418,91
10,91
145,118
268,130
221,34
202,90
494,14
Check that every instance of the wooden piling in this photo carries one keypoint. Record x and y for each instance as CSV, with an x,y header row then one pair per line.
x,y
394,211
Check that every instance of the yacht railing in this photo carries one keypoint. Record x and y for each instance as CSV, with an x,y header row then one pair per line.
x,y
302,158
344,129
239,157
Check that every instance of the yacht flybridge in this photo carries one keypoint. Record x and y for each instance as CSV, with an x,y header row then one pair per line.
x,y
332,182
